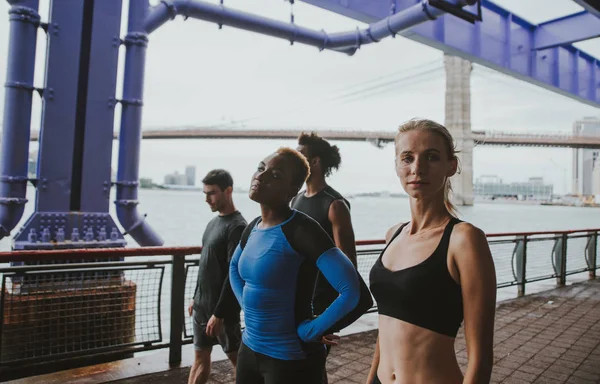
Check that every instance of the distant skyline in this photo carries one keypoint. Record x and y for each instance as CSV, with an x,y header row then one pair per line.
x,y
197,74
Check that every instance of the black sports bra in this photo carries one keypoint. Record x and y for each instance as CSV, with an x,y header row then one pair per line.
x,y
425,294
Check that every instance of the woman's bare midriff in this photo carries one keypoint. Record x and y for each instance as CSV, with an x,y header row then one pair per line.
x,y
415,355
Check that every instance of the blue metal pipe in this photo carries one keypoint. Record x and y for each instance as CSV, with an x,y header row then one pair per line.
x,y
130,135
346,42
143,21
24,22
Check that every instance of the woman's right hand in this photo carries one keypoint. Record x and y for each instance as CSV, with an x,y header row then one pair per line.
x,y
330,340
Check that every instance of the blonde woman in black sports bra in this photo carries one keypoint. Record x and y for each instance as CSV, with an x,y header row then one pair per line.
x,y
434,272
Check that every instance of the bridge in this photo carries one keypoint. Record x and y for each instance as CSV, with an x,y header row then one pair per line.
x,y
378,138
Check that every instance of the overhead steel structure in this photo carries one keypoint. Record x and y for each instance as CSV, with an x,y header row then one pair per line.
x,y
540,54
73,180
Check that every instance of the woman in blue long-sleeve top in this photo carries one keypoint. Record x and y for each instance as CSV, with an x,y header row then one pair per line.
x,y
272,274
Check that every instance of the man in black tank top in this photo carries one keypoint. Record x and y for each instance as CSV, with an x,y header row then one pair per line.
x,y
328,207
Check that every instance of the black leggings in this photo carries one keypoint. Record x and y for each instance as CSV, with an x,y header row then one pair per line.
x,y
256,368
325,378
376,380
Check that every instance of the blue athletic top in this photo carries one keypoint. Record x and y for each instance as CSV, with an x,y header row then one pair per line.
x,y
273,272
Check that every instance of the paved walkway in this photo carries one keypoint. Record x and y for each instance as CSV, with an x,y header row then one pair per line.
x,y
549,337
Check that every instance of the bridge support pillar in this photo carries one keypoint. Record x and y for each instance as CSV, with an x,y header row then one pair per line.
x,y
458,122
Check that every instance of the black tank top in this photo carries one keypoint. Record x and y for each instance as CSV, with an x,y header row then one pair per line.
x,y
317,207
425,294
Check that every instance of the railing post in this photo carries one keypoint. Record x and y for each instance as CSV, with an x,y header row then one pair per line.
x,y
557,252
560,260
592,254
521,255
177,310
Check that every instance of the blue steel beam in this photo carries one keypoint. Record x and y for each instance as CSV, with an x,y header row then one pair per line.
x,y
567,30
503,41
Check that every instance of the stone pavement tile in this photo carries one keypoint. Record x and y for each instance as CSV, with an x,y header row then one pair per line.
x,y
557,375
360,367
497,378
512,380
574,356
590,367
531,369
552,352
547,380
523,376
586,350
585,375
509,363
502,371
539,364
352,356
526,356
577,380
566,364
343,372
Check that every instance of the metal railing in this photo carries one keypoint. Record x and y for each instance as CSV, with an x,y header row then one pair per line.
x,y
71,307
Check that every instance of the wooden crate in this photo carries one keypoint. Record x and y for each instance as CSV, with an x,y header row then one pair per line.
x,y
45,322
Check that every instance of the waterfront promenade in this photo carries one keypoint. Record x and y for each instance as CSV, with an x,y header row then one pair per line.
x,y
548,337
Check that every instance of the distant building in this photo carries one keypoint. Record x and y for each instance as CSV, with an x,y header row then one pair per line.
x,y
586,162
190,175
146,183
175,179
32,168
491,187
32,164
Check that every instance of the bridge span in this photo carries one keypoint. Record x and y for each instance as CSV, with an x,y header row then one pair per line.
x,y
376,137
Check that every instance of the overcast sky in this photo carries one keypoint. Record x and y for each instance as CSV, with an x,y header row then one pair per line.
x,y
197,74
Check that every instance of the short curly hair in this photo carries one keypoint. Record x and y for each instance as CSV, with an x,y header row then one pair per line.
x,y
319,147
301,166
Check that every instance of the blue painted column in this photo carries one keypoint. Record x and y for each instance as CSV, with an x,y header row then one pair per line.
x,y
73,187
130,135
97,136
59,109
14,152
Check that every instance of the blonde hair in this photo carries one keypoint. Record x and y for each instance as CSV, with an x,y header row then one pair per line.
x,y
425,125
300,163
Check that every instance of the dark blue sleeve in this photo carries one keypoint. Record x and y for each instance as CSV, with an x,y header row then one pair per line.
x,y
237,283
340,273
227,304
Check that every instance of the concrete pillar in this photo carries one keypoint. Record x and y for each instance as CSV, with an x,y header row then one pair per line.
x,y
458,122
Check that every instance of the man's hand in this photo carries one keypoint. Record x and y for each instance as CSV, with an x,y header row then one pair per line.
x,y
191,308
330,340
213,327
